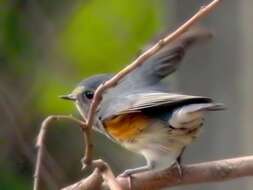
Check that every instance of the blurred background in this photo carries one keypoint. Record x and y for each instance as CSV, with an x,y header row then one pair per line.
x,y
46,47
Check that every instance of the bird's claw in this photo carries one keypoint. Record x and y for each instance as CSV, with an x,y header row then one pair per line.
x,y
126,173
179,169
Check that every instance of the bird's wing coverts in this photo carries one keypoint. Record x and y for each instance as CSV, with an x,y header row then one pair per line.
x,y
164,62
141,101
139,89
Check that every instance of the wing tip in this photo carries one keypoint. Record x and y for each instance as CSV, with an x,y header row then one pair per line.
x,y
217,107
195,35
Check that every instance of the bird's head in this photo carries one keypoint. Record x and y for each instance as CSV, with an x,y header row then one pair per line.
x,y
83,93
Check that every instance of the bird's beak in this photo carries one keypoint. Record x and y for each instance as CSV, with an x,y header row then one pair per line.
x,y
68,97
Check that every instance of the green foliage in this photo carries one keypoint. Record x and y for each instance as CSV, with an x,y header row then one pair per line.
x,y
48,91
99,37
15,42
11,181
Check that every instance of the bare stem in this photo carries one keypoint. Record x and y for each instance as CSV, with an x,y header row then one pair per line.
x,y
41,145
87,160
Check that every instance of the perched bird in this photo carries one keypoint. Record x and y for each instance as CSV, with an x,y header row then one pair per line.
x,y
141,114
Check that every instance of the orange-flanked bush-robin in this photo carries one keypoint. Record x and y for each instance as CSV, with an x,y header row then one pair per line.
x,y
141,114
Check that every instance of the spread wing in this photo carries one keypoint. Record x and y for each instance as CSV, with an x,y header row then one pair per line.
x,y
146,78
164,62
143,101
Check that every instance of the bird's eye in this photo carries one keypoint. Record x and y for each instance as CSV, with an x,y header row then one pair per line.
x,y
89,94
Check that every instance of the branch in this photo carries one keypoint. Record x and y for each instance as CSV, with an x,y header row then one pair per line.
x,y
94,181
102,170
102,173
41,145
204,10
215,171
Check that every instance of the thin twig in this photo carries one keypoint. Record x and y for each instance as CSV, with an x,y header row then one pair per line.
x,y
140,60
215,171
40,143
88,148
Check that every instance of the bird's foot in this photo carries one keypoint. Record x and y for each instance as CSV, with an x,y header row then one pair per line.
x,y
129,172
129,178
179,169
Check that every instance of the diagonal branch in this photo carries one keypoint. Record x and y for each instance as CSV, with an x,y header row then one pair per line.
x,y
140,60
102,170
215,171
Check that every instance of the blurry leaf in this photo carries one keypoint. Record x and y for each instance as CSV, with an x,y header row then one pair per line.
x,y
48,91
103,35
15,42
11,181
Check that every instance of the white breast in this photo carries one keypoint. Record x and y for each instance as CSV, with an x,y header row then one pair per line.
x,y
160,144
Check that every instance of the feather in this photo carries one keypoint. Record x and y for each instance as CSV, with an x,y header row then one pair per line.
x,y
138,102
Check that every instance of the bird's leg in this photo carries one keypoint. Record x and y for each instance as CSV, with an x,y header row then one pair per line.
x,y
178,164
150,165
179,169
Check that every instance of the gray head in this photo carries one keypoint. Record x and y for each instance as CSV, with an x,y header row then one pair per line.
x,y
83,93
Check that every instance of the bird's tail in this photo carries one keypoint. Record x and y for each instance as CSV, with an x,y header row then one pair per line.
x,y
191,116
204,107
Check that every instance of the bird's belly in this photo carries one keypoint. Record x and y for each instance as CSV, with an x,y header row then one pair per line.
x,y
155,142
152,138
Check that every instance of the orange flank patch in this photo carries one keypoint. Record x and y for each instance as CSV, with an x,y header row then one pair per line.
x,y
126,127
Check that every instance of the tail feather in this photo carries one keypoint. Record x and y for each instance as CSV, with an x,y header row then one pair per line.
x,y
205,107
192,115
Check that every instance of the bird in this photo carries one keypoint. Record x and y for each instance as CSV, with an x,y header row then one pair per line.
x,y
142,115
